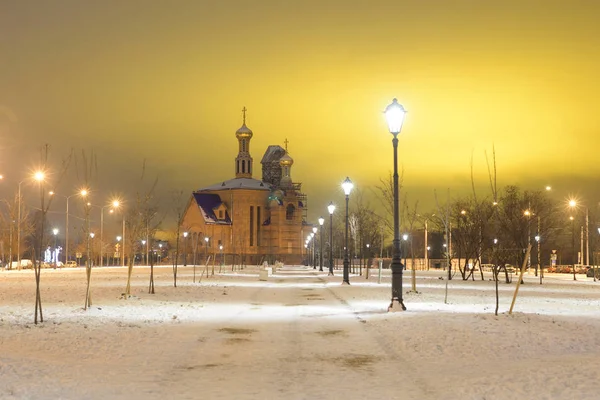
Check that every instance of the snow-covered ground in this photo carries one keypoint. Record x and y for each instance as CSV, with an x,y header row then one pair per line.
x,y
299,335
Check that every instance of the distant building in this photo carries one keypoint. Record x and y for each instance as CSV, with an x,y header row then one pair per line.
x,y
246,219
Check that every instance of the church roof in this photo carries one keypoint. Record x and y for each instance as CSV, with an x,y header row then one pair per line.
x,y
208,202
238,183
273,153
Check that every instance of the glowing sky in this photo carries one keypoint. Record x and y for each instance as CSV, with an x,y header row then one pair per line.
x,y
167,80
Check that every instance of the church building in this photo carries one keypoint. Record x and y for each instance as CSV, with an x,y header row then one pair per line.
x,y
247,220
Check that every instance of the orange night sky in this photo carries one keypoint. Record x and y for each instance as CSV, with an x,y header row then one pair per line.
x,y
166,81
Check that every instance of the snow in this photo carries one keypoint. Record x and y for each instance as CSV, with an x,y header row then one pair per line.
x,y
299,335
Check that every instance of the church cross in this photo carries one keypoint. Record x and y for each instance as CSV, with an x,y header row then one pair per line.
x,y
244,113
286,143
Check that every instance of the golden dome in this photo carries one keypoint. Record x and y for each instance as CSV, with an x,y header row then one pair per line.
x,y
286,160
244,132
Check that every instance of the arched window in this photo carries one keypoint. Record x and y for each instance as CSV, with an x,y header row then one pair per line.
x,y
289,212
243,166
243,145
249,167
237,167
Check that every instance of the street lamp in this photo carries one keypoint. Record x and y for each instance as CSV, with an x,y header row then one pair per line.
x,y
206,251
185,235
55,232
347,187
83,193
394,114
331,209
321,222
38,176
146,254
159,252
314,232
114,204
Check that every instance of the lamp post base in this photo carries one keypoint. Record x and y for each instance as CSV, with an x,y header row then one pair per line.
x,y
344,283
396,306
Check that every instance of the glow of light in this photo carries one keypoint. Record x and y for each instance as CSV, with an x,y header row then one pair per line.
x,y
321,221
347,185
39,176
92,234
537,238
185,234
55,231
548,188
572,203
331,208
83,192
527,213
116,203
315,229
463,212
143,242
119,238
206,239
405,236
394,115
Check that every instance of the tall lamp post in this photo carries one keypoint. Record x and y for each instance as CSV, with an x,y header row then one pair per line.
x,y
119,243
82,193
314,233
347,186
185,235
331,209
321,222
38,176
394,114
55,233
114,204
145,257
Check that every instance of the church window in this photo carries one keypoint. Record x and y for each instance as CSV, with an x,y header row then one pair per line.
x,y
237,167
289,212
249,167
243,166
243,145
251,225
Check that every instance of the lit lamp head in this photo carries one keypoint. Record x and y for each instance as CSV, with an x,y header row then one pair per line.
x,y
119,238
347,185
368,245
527,213
160,245
315,229
92,234
537,238
405,237
331,208
321,221
220,247
116,203
185,234
428,248
55,231
39,176
308,238
312,234
394,115
572,203
83,192
495,241
548,188
143,242
206,239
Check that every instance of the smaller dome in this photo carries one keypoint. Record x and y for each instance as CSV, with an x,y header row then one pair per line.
x,y
286,160
244,132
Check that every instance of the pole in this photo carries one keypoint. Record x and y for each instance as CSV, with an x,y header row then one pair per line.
x,y
67,234
426,251
539,249
397,267
331,244
321,246
587,237
346,274
101,234
123,249
19,229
